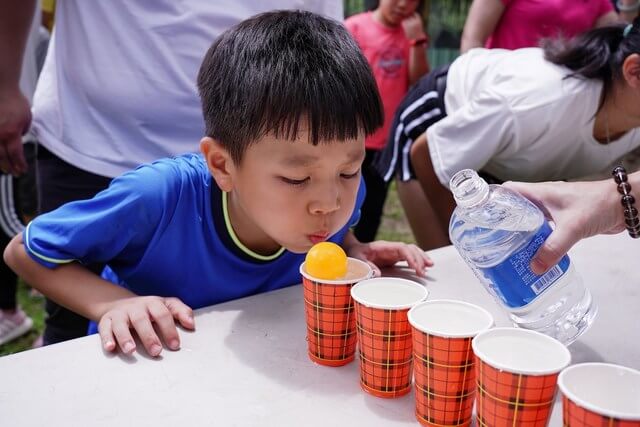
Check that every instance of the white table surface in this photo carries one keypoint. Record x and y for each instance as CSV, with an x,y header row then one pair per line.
x,y
246,365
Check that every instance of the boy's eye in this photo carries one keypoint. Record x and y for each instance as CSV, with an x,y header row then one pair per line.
x,y
294,181
351,175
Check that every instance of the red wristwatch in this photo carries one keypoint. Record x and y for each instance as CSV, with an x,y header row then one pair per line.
x,y
419,41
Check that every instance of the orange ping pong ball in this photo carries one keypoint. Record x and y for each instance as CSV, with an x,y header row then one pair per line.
x,y
326,260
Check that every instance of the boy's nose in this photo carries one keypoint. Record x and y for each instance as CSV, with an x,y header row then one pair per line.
x,y
329,202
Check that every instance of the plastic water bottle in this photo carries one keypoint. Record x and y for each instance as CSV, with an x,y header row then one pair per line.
x,y
497,231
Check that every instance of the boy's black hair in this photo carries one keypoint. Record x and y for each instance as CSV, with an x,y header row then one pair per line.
x,y
281,70
596,54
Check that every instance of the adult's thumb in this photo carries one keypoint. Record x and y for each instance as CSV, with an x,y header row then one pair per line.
x,y
551,252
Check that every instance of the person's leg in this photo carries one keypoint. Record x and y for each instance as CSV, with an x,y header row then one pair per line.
x,y
371,210
438,196
59,183
13,321
9,227
423,221
422,107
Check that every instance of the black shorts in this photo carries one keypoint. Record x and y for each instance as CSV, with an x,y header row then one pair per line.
x,y
421,107
18,197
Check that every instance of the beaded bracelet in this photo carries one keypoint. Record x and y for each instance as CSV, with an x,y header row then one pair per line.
x,y
631,220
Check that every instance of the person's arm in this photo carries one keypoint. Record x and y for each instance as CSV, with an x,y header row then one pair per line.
x,y
481,21
578,210
438,196
467,138
15,112
418,62
117,309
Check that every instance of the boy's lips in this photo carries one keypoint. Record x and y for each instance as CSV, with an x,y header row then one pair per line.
x,y
318,237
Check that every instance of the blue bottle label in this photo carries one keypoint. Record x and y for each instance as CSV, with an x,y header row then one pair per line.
x,y
513,281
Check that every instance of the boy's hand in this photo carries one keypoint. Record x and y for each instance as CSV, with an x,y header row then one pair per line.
x,y
385,254
142,314
413,27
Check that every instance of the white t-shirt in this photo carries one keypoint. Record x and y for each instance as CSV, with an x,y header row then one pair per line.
x,y
516,116
118,85
29,70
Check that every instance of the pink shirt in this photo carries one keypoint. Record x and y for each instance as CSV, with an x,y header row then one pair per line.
x,y
525,22
387,50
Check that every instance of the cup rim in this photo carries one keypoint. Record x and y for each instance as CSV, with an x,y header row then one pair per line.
x,y
536,372
590,406
366,282
412,313
369,274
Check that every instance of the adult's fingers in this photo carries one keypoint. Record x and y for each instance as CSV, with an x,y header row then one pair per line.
x,y
554,248
12,156
15,155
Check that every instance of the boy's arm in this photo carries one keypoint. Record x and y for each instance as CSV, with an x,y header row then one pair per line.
x,y
117,309
71,285
418,62
15,112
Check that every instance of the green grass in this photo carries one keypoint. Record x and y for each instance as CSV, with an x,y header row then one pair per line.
x,y
394,227
34,307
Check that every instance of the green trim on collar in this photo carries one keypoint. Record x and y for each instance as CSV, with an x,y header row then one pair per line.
x,y
238,243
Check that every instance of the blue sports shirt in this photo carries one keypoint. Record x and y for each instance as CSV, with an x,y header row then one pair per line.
x,y
163,231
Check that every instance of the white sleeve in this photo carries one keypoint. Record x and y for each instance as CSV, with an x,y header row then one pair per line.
x,y
469,137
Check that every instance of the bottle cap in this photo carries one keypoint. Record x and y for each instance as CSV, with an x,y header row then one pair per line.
x,y
468,188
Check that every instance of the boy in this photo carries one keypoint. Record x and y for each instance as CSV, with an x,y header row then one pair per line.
x,y
393,40
287,100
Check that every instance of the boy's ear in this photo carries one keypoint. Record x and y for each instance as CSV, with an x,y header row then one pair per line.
x,y
631,70
219,162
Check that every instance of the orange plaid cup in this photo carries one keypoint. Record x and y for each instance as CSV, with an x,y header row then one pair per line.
x,y
516,371
600,394
384,333
445,379
329,314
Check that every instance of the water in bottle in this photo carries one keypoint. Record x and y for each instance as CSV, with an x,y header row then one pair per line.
x,y
497,231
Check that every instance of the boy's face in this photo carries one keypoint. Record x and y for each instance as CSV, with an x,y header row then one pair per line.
x,y
395,11
285,193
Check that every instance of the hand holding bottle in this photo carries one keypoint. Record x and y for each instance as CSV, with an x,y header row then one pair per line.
x,y
578,210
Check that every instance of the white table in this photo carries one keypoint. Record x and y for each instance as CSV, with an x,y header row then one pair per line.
x,y
247,364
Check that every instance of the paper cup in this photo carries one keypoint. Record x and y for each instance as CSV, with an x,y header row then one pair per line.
x,y
330,316
443,360
600,394
516,372
384,333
